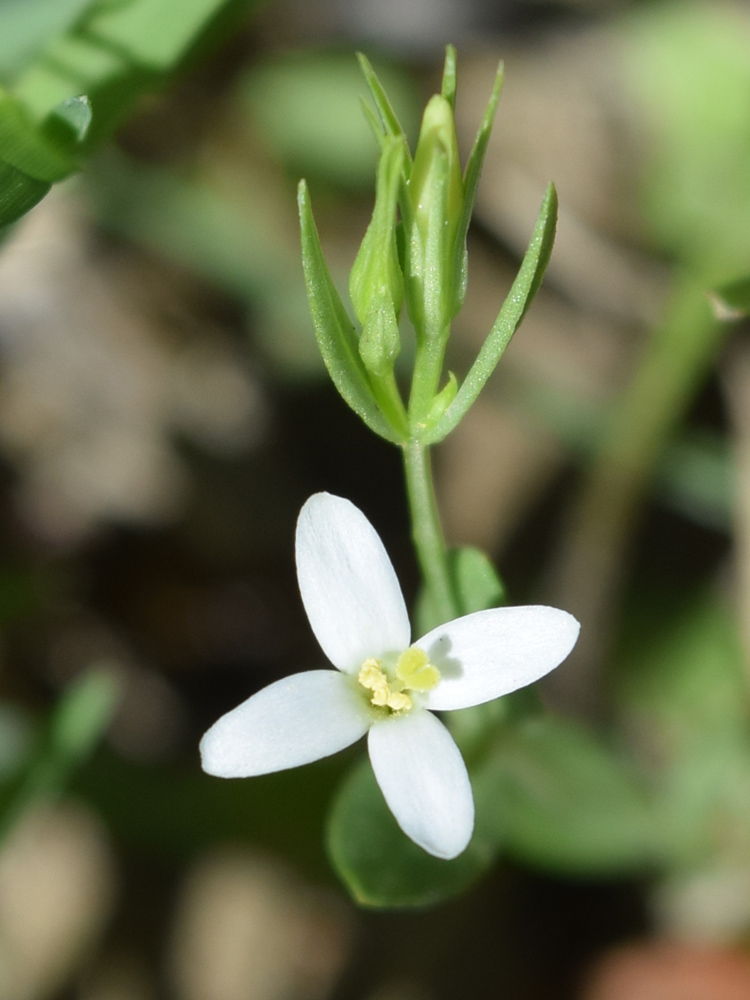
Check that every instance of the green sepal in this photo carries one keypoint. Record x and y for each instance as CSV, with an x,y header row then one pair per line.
x,y
475,583
520,297
731,301
448,85
391,125
563,800
376,284
471,182
380,342
378,863
334,330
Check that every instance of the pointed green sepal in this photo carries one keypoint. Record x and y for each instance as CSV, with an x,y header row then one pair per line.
x,y
334,330
522,292
448,88
388,116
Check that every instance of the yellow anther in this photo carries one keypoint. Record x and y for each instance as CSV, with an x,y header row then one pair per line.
x,y
416,671
399,702
413,673
371,676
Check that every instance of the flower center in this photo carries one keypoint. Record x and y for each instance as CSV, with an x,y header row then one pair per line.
x,y
413,672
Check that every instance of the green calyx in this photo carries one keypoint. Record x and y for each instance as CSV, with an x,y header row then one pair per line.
x,y
414,251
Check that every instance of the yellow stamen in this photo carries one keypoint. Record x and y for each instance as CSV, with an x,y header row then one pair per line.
x,y
413,673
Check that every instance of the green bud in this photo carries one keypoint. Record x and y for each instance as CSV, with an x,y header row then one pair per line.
x,y
436,199
435,185
376,284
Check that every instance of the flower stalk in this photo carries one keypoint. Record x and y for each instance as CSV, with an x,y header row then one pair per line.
x,y
427,533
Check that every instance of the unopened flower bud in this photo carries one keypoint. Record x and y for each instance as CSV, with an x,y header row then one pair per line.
x,y
376,284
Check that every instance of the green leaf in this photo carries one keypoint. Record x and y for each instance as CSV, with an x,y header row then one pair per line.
x,y
78,722
732,300
18,193
471,182
686,674
114,52
379,865
522,292
475,583
83,714
564,801
334,330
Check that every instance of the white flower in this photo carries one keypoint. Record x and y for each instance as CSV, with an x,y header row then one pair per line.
x,y
384,686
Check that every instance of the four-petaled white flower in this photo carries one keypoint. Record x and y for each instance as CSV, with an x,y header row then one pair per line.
x,y
383,685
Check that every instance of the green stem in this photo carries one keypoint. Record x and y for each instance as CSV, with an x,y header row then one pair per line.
x,y
428,367
426,531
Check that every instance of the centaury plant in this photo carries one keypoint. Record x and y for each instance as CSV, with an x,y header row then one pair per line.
x,y
470,652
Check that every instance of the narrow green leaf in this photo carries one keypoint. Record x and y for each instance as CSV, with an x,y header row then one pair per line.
x,y
564,801
732,300
334,330
18,193
379,865
78,723
471,182
522,292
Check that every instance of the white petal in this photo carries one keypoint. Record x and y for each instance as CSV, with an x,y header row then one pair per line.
x,y
424,781
348,585
491,653
298,719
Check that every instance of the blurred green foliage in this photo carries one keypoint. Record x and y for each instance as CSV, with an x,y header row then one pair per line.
x,y
104,55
